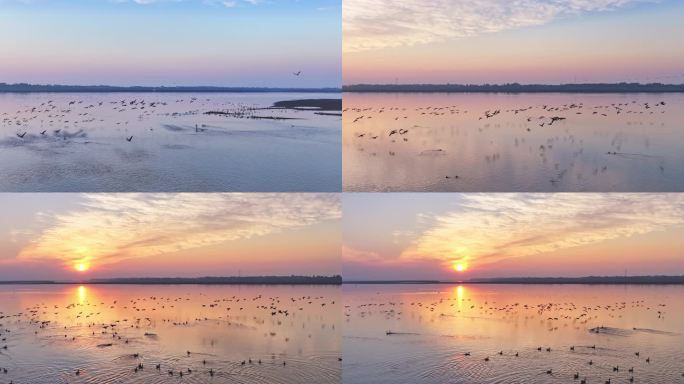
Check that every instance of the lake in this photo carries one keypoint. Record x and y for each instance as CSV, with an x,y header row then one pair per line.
x,y
150,142
513,142
217,334
500,333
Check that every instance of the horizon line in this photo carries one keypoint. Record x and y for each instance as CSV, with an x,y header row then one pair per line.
x,y
620,87
200,280
32,87
635,279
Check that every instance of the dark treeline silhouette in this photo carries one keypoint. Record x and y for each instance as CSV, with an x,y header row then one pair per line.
x,y
256,280
28,282
519,88
319,104
27,88
541,280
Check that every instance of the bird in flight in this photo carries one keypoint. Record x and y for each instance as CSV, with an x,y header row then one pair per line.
x,y
297,73
129,138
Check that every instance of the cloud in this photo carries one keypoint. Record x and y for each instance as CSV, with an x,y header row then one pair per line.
x,y
108,228
488,228
378,24
353,255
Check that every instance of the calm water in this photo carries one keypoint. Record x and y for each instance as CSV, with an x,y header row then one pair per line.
x,y
434,326
446,142
78,142
106,331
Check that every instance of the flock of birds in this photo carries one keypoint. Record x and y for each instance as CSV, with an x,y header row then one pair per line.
x,y
65,119
126,328
552,316
394,127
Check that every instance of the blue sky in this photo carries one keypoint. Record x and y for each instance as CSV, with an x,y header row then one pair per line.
x,y
167,42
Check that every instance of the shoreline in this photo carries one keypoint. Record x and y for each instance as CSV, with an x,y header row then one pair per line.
x,y
206,280
515,88
587,280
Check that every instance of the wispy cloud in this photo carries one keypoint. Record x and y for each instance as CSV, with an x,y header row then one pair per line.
x,y
353,255
493,227
108,228
378,24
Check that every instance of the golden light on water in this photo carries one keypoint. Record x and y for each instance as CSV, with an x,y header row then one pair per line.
x,y
81,294
460,295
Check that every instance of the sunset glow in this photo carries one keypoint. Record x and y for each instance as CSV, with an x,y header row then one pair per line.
x,y
82,266
499,41
460,267
436,236
169,235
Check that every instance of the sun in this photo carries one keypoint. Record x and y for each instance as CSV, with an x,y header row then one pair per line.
x,y
460,267
82,266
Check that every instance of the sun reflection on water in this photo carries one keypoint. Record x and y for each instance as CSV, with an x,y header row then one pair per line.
x,y
82,292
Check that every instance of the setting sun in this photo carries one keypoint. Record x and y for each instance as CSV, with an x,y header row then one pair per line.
x,y
460,267
82,267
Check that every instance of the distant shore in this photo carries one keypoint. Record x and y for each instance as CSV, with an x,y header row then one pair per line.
x,y
208,280
617,280
517,88
56,88
310,104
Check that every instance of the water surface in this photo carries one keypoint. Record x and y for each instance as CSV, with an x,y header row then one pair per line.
x,y
103,332
80,142
510,142
432,328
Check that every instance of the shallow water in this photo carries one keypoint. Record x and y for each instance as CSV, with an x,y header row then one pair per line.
x,y
53,331
434,326
446,142
83,146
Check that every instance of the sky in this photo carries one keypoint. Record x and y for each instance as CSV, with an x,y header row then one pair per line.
x,y
502,41
79,236
433,236
172,42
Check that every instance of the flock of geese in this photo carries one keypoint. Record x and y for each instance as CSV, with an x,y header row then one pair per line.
x,y
392,127
123,328
552,316
68,119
